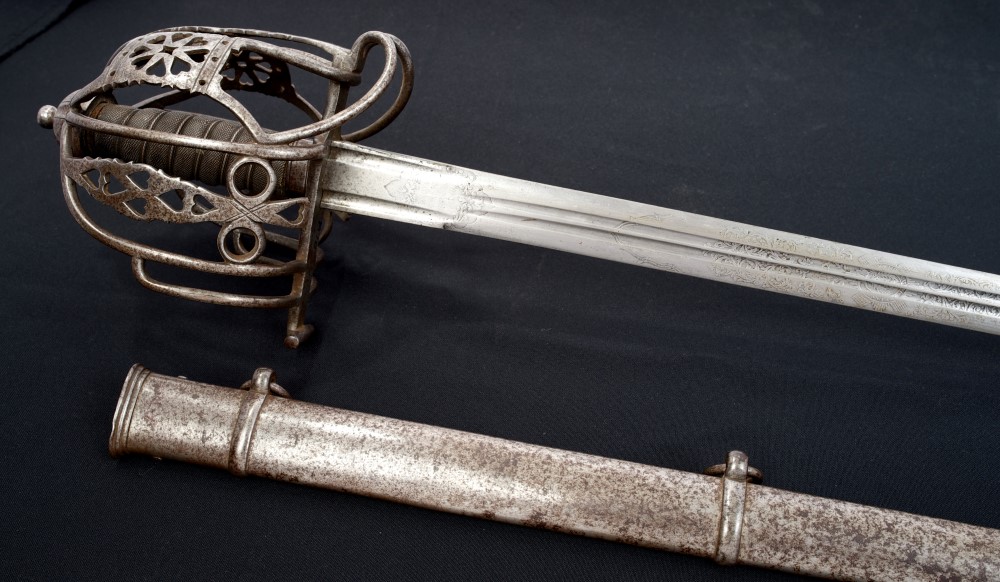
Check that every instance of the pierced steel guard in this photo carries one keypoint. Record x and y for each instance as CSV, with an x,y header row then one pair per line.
x,y
270,178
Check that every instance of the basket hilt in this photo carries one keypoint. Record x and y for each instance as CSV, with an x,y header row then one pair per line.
x,y
257,186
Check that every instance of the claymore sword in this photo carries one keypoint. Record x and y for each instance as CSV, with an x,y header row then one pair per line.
x,y
268,189
726,515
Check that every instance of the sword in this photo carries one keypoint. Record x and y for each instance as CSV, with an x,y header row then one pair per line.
x,y
268,189
726,514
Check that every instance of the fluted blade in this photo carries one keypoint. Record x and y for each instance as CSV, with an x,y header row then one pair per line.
x,y
367,181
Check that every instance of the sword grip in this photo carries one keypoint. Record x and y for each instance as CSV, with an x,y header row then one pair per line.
x,y
188,163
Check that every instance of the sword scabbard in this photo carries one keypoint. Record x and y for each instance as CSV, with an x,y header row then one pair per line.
x,y
256,431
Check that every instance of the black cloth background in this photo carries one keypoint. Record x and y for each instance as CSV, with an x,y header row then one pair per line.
x,y
874,124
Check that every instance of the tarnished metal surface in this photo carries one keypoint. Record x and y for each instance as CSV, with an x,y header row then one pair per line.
x,y
286,169
734,493
812,535
729,519
153,164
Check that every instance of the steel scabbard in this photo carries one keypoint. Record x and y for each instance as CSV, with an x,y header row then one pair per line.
x,y
257,431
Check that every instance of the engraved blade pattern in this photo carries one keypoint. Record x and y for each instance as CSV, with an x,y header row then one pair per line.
x,y
371,182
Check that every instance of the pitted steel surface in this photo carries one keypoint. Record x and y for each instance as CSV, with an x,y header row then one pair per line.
x,y
257,430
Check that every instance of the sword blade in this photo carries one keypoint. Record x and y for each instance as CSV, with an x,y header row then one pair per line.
x,y
366,181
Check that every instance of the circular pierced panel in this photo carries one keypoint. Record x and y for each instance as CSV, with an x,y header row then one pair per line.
x,y
251,181
169,54
241,241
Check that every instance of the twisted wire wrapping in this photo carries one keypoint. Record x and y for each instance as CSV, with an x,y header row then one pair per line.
x,y
188,163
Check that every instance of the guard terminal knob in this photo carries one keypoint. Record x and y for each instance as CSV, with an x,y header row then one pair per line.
x,y
46,116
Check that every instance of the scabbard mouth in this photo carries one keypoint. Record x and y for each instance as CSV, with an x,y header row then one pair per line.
x,y
118,441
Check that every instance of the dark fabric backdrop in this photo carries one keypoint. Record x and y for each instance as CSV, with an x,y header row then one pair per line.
x,y
874,124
